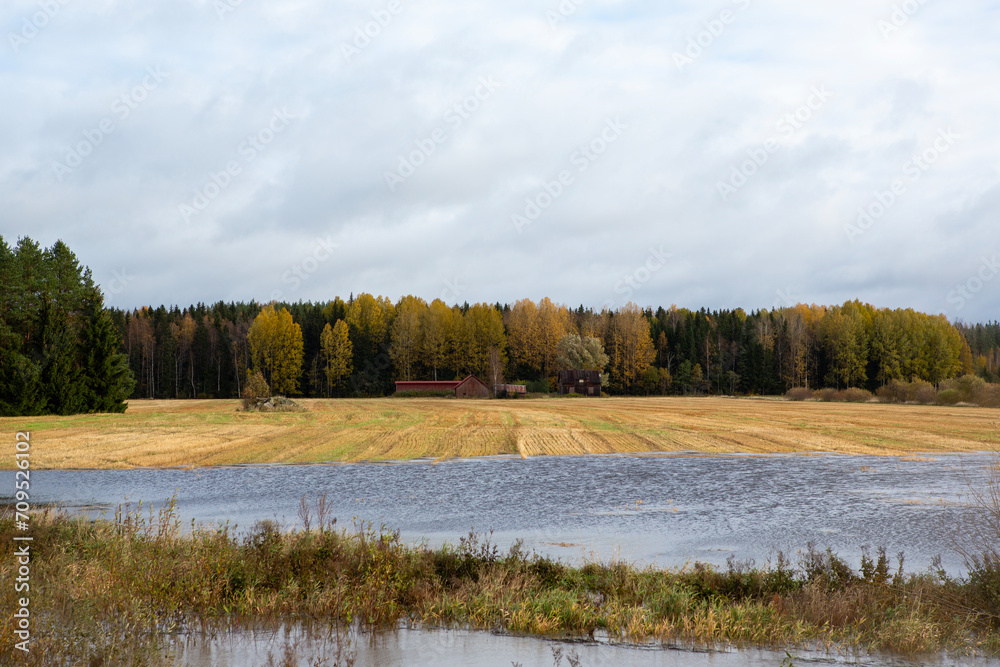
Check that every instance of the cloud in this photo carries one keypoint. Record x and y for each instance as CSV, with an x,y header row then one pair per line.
x,y
367,84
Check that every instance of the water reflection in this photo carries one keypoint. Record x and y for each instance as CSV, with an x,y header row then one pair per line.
x,y
464,648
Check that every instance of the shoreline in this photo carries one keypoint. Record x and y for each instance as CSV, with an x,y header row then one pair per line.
x,y
915,456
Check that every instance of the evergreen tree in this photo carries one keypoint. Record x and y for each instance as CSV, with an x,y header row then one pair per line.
x,y
107,377
61,378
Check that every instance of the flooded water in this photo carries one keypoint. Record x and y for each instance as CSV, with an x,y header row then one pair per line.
x,y
464,648
655,509
664,509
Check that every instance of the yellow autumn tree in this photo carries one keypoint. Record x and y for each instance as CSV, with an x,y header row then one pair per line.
x,y
553,324
631,346
405,335
482,330
437,343
369,318
337,353
276,349
523,337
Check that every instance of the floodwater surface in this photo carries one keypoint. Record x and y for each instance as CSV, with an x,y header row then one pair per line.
x,y
666,510
464,648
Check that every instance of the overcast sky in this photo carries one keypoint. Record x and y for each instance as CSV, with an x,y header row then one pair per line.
x,y
749,153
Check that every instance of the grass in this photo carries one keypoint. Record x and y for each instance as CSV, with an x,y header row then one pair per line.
x,y
113,592
207,432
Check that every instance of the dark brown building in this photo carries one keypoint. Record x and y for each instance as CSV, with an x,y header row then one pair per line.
x,y
587,383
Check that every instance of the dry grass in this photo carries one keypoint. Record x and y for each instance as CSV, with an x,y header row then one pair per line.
x,y
202,433
110,593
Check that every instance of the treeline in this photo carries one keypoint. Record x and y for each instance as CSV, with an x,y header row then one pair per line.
x,y
984,344
62,352
360,346
59,350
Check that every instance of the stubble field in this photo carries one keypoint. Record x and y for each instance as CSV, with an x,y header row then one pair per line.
x,y
213,432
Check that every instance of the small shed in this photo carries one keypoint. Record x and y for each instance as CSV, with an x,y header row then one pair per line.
x,y
587,383
510,390
470,387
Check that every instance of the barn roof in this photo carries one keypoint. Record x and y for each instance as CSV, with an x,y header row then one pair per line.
x,y
443,384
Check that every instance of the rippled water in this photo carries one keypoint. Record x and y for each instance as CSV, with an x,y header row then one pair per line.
x,y
663,509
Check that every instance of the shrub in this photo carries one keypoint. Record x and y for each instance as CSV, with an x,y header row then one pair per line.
x,y
799,394
255,390
949,397
921,392
829,394
537,386
826,569
856,395
968,387
988,396
894,392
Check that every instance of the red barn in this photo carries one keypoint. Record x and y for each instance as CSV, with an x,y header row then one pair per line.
x,y
470,387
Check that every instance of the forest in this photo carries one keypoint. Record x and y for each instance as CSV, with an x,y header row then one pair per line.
x,y
59,349
360,346
62,351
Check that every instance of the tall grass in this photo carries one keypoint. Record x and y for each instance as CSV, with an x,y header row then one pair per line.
x,y
110,592
977,539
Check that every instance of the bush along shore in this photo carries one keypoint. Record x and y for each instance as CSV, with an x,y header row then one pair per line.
x,y
113,591
967,390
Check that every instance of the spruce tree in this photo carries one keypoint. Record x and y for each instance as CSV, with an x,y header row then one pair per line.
x,y
108,380
60,378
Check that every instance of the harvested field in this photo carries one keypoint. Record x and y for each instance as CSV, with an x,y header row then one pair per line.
x,y
206,432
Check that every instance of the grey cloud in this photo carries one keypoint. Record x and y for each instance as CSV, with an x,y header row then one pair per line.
x,y
447,229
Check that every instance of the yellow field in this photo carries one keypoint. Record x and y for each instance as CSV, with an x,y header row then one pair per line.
x,y
203,433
